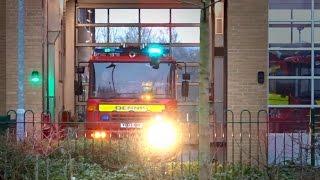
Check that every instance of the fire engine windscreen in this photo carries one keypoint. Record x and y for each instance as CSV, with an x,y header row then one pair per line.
x,y
125,80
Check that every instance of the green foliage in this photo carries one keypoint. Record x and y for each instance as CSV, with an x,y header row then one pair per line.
x,y
238,171
121,159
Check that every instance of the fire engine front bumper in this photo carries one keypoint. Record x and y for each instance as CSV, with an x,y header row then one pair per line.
x,y
158,133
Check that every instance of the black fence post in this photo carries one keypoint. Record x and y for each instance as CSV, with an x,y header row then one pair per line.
x,y
232,131
14,112
25,116
258,133
313,139
241,134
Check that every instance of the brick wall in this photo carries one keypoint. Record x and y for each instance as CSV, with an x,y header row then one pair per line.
x,y
2,58
247,54
11,55
33,53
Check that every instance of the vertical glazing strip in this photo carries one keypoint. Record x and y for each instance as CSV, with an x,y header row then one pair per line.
x,y
232,138
258,136
312,80
284,148
108,27
312,134
312,54
139,28
267,138
170,30
292,144
275,148
250,140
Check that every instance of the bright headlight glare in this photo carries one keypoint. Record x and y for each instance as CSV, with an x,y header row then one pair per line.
x,y
161,134
99,135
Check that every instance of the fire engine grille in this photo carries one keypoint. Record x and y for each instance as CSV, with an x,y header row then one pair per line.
x,y
131,116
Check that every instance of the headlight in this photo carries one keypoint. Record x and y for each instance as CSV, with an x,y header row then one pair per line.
x,y
161,134
99,134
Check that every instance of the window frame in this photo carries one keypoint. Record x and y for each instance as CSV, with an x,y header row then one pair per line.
x,y
312,77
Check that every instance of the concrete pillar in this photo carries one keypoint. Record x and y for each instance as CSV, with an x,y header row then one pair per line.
x,y
69,100
247,54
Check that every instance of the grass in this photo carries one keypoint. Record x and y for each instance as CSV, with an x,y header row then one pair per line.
x,y
119,159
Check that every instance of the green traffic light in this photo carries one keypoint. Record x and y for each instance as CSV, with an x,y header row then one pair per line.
x,y
35,77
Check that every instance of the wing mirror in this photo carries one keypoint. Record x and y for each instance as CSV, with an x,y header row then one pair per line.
x,y
185,88
185,85
185,81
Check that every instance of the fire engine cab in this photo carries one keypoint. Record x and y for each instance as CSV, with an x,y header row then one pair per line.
x,y
133,88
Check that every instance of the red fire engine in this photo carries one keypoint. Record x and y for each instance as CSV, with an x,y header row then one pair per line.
x,y
133,88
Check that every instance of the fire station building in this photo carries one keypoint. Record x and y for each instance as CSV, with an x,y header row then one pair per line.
x,y
264,57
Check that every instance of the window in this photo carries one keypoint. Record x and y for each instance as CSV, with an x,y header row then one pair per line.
x,y
126,80
316,33
101,16
101,35
155,15
124,15
185,15
290,35
294,83
84,54
124,35
155,35
288,120
289,63
288,91
291,73
186,35
188,54
317,10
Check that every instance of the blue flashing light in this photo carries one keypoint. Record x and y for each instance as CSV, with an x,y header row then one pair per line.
x,y
107,50
105,117
155,51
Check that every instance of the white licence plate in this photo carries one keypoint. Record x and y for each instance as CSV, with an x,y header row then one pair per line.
x,y
131,125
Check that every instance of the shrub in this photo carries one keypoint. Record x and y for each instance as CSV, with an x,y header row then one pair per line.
x,y
120,159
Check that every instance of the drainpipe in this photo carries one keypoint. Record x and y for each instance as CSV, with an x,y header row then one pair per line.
x,y
21,66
